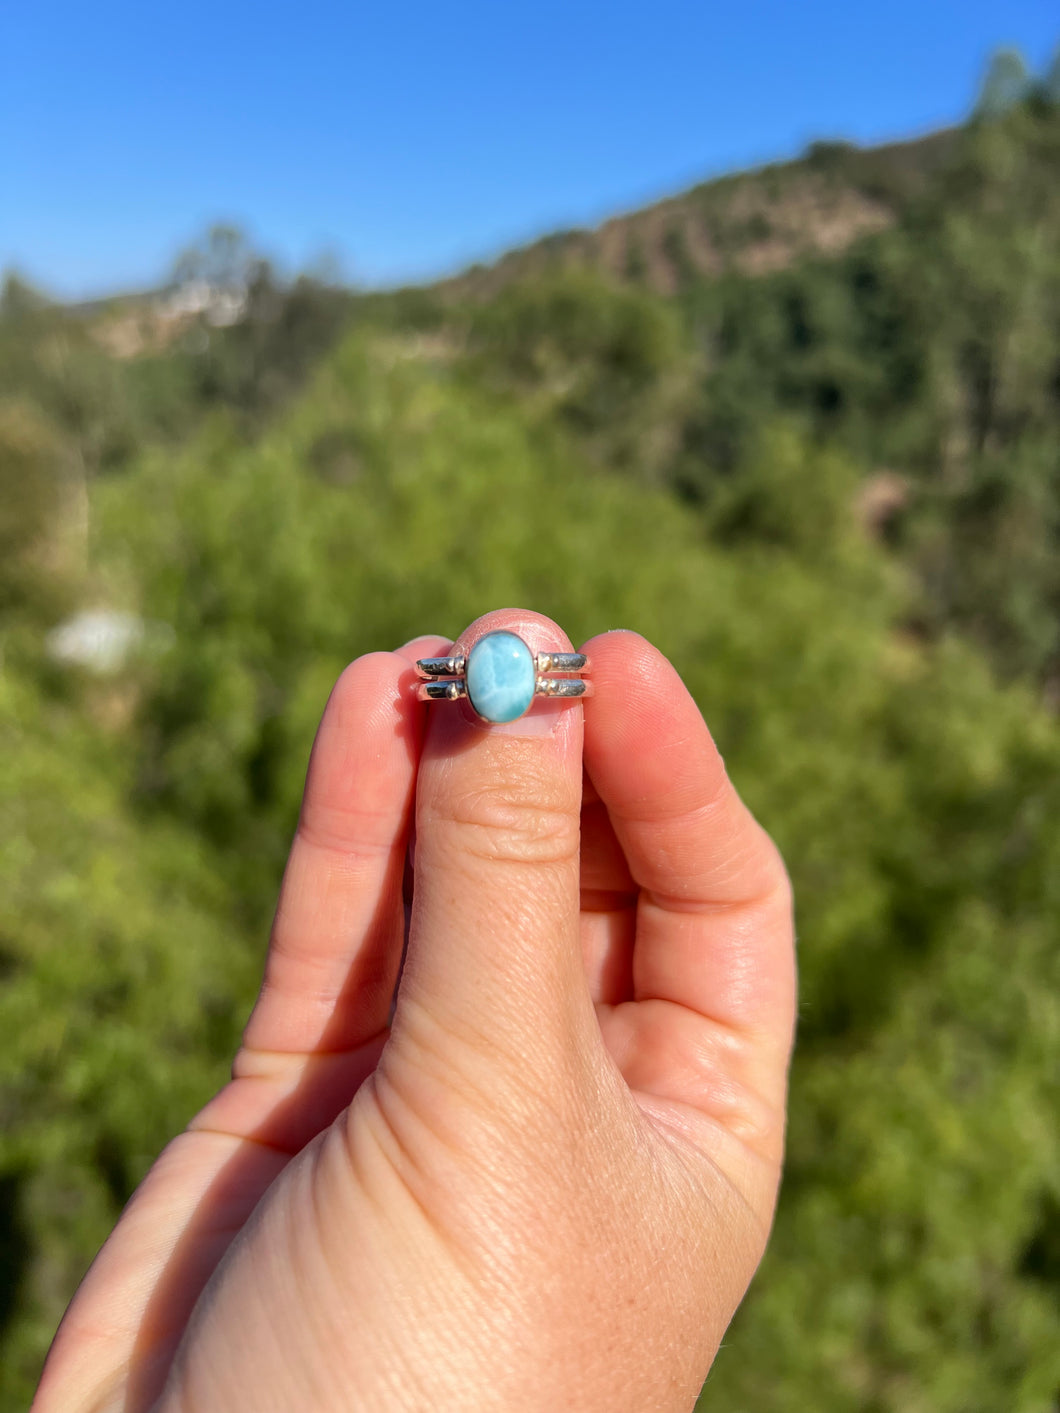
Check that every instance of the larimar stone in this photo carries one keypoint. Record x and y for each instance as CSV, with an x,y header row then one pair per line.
x,y
500,677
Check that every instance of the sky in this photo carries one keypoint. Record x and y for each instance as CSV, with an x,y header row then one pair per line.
x,y
404,140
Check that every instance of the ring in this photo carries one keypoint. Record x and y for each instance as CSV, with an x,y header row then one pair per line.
x,y
500,677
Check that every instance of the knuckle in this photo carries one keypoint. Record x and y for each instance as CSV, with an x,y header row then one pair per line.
x,y
493,823
778,880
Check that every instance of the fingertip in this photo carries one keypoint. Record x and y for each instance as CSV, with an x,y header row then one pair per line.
x,y
425,645
624,655
371,686
639,696
536,629
656,767
615,635
372,715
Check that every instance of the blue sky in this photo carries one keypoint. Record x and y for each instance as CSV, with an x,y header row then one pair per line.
x,y
410,138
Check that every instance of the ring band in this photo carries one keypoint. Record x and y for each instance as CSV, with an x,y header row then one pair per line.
x,y
500,677
543,662
456,689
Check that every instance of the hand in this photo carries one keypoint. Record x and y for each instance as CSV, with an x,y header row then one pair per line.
x,y
546,1184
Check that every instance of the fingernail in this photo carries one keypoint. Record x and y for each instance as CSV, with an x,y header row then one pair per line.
x,y
542,719
425,638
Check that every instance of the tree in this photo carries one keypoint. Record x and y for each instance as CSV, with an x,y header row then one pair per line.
x,y
1007,82
222,259
1051,79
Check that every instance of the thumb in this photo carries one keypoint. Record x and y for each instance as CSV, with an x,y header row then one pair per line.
x,y
494,953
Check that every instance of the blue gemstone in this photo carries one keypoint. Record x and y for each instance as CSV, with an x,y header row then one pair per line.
x,y
500,677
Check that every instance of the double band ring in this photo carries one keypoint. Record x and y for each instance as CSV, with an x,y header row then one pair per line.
x,y
501,676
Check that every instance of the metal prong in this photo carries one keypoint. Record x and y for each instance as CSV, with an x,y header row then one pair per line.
x,y
441,691
562,687
560,662
441,666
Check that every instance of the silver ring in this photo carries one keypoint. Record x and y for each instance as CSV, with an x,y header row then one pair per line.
x,y
501,676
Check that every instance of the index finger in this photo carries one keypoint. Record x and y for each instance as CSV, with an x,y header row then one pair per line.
x,y
714,926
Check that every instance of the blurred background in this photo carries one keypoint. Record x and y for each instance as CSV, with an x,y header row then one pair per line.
x,y
323,327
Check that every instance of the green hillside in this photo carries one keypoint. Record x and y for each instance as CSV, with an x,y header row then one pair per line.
x,y
827,485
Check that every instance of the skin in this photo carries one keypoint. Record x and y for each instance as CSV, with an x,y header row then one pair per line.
x,y
547,1180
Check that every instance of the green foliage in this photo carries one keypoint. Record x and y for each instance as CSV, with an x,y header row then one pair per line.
x,y
789,497
610,365
32,487
253,366
123,985
114,378
927,349
909,1265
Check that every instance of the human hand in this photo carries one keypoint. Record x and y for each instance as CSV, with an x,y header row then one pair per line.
x,y
546,1184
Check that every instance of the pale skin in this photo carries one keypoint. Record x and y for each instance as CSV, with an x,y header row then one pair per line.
x,y
544,1180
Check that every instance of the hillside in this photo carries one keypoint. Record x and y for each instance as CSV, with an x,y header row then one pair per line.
x,y
752,222
897,303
